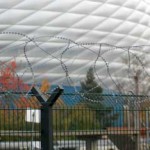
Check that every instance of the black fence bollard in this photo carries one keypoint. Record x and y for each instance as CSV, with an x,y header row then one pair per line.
x,y
47,116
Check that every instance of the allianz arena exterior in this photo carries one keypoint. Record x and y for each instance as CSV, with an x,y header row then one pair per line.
x,y
113,23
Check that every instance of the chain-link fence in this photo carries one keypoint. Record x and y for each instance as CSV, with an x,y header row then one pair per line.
x,y
75,122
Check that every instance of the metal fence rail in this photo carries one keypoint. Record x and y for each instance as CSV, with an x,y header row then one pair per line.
x,y
79,122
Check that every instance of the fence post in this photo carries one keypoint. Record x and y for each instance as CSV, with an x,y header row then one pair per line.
x,y
47,116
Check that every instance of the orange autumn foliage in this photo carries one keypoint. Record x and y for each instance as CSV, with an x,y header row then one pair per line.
x,y
9,80
45,86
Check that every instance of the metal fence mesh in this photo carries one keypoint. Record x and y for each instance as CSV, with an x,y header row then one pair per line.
x,y
18,126
80,122
119,122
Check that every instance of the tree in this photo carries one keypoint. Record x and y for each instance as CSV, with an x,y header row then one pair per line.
x,y
9,81
93,96
45,86
135,68
81,118
90,85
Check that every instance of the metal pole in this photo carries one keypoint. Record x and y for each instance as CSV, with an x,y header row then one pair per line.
x,y
46,127
147,127
47,116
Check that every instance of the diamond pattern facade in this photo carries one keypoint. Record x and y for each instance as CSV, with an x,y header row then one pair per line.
x,y
119,23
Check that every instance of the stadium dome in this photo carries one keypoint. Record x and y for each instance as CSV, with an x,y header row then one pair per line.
x,y
61,39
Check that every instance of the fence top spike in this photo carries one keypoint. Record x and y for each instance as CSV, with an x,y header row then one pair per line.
x,y
38,94
54,96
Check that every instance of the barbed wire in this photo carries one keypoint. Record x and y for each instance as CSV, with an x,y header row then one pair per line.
x,y
97,53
